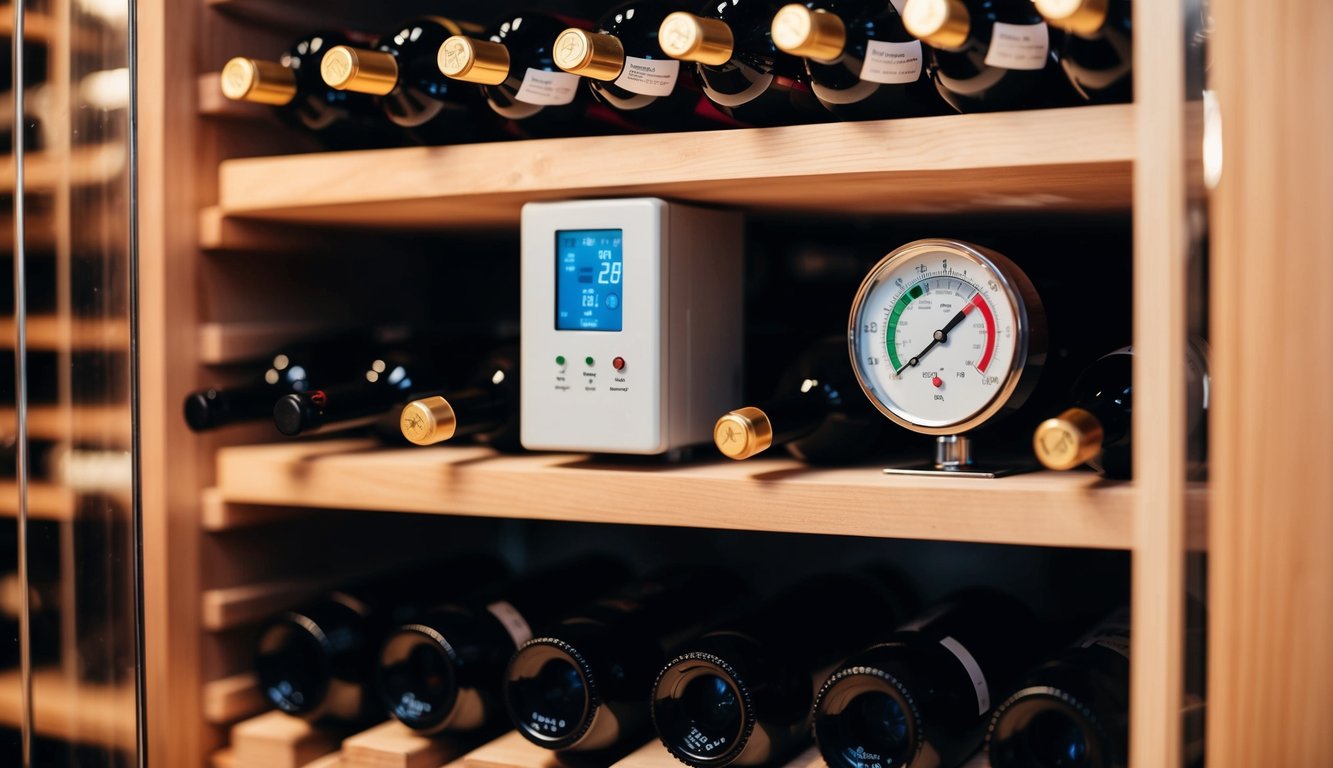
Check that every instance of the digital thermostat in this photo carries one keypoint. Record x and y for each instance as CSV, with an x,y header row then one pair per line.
x,y
631,327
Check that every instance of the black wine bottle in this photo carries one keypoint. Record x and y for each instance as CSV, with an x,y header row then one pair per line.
x,y
737,64
293,87
486,409
862,62
1095,430
741,693
443,671
1097,50
579,686
318,661
927,690
990,55
513,62
627,69
289,370
402,70
818,413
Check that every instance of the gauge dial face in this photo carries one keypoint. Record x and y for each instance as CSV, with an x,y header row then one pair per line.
x,y
939,336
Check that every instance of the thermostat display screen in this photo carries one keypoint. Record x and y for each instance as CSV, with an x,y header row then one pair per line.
x,y
589,279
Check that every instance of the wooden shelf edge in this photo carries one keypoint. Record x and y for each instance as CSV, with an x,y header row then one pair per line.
x,y
225,343
46,501
84,713
217,514
1076,159
777,494
232,699
50,333
102,424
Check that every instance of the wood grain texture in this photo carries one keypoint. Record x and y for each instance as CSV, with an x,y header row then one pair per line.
x,y
278,740
1066,160
54,333
1270,687
394,745
217,514
511,751
778,494
65,708
233,698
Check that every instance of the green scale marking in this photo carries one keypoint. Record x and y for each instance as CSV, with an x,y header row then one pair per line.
x,y
892,331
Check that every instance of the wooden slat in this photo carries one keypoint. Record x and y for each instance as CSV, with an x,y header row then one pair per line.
x,y
231,607
777,494
394,745
1270,684
233,698
50,333
1066,160
217,515
64,708
221,343
277,740
88,165
106,424
46,501
511,751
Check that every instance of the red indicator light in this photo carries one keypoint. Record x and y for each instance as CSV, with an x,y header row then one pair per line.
x,y
937,381
618,363
319,398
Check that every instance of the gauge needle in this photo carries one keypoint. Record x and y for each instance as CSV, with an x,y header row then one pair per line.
x,y
939,337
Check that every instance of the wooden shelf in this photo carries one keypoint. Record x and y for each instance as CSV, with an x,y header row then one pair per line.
x,y
51,333
107,425
46,501
1052,160
1072,509
86,166
64,709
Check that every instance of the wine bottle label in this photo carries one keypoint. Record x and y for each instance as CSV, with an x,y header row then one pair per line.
x,y
512,621
1112,634
892,63
549,89
1018,46
649,77
973,671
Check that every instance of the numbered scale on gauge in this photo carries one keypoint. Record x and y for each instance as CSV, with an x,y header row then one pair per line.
x,y
944,337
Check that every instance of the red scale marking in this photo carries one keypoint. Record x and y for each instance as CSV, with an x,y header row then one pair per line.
x,y
989,352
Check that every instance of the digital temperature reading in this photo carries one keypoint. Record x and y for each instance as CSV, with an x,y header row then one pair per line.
x,y
589,282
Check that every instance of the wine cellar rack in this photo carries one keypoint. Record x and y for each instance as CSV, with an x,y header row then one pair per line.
x,y
221,188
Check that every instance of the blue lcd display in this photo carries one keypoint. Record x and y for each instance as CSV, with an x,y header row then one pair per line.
x,y
589,279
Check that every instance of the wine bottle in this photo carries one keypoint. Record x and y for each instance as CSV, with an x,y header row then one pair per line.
x,y
289,370
818,413
928,688
989,55
579,686
443,671
1097,50
318,661
486,409
514,64
1095,430
741,693
737,64
293,87
627,69
402,70
862,62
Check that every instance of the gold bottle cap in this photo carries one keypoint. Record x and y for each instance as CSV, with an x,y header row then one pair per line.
x,y
1082,17
428,421
743,433
361,70
262,82
941,23
474,61
813,34
589,54
688,37
1068,440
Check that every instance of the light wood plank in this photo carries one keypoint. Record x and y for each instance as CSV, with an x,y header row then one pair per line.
x,y
229,607
511,751
217,514
233,698
51,333
777,494
108,425
278,740
64,708
222,343
46,501
1068,160
87,165
394,745
1270,686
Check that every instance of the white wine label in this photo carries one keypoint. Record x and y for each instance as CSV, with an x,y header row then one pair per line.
x,y
1112,634
973,671
1018,46
512,621
549,89
892,63
649,77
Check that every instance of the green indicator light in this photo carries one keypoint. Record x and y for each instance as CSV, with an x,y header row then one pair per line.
x,y
916,291
589,361
560,360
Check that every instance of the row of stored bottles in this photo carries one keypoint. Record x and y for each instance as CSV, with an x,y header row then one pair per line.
x,y
945,339
657,65
587,660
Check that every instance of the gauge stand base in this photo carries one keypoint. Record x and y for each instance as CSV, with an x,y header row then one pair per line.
x,y
953,457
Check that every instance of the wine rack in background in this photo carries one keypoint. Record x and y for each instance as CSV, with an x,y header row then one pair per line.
x,y
78,347
224,189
